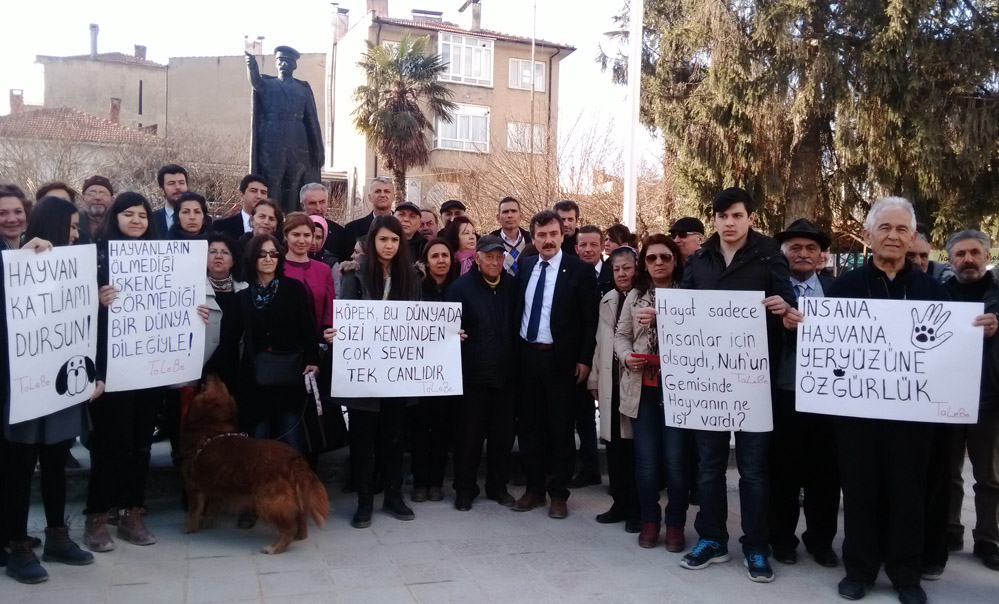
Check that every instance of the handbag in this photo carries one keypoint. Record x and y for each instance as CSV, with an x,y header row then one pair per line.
x,y
278,368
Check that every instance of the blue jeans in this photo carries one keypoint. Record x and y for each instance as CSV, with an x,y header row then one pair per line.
x,y
660,449
751,450
286,427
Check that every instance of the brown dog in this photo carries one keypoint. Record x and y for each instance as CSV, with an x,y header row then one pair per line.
x,y
223,467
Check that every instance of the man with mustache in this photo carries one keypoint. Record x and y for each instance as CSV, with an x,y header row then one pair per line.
x,y
803,446
973,282
557,313
97,197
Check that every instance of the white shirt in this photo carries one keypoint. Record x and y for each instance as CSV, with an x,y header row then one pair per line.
x,y
246,221
168,210
551,274
599,266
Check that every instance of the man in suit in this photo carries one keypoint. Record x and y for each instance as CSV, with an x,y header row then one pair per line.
x,y
589,245
803,446
314,199
172,180
252,188
557,316
515,239
381,192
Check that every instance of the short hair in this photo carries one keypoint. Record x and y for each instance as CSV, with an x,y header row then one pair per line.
x,y
246,180
51,219
169,169
625,251
312,186
192,196
731,196
253,247
592,229
277,212
385,179
235,250
567,205
15,191
544,218
44,190
294,220
889,203
432,213
507,199
965,235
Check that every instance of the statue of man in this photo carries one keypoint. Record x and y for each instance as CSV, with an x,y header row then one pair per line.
x,y
286,142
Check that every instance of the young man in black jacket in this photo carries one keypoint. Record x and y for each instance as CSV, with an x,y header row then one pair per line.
x,y
488,297
737,258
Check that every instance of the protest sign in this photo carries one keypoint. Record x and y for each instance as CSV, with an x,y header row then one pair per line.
x,y
714,359
388,349
889,359
155,336
51,306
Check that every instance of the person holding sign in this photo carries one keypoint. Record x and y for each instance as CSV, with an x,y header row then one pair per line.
x,y
44,441
122,422
659,449
384,272
557,310
737,257
604,384
973,282
803,449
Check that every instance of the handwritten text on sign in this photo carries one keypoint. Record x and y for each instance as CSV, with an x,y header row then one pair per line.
x,y
714,360
51,304
889,359
396,349
155,337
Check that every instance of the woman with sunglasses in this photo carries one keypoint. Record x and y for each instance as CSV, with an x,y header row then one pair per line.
x,y
658,448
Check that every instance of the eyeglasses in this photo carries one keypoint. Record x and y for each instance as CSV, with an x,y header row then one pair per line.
x,y
219,253
271,254
653,258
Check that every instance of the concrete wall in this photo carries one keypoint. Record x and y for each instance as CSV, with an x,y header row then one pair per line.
x,y
213,93
89,86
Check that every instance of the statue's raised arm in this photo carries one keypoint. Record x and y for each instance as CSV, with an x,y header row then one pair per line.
x,y
253,72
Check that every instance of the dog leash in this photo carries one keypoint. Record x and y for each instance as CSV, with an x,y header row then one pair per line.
x,y
312,387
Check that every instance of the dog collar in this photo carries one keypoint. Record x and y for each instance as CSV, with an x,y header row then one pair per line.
x,y
206,441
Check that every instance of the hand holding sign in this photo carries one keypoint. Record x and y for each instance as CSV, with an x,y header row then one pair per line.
x,y
926,330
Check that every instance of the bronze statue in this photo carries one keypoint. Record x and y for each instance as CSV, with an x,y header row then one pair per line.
x,y
286,142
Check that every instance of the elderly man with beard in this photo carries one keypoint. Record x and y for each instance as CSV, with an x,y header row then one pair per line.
x,y
97,197
973,282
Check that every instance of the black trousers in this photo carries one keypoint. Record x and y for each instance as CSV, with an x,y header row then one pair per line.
x,y
546,415
938,492
381,430
18,469
430,439
119,448
586,428
883,467
483,415
621,460
802,456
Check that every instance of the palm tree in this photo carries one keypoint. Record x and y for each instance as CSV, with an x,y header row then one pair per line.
x,y
402,80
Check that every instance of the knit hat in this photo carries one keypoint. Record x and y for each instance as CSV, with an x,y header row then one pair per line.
x,y
98,180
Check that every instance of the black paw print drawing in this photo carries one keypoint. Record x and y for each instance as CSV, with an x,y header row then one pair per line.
x,y
927,331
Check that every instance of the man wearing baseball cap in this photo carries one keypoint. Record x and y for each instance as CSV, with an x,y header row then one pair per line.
x,y
408,214
688,234
450,209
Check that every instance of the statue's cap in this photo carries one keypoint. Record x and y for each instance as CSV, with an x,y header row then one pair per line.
x,y
287,51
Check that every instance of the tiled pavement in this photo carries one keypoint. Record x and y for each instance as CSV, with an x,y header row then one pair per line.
x,y
489,554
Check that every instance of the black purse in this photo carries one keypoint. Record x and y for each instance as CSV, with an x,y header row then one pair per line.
x,y
278,368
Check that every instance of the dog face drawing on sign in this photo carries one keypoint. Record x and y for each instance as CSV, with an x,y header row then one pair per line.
x,y
75,375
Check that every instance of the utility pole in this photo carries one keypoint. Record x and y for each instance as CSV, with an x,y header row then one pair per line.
x,y
632,157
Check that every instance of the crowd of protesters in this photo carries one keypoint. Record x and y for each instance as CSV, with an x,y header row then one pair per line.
x,y
558,321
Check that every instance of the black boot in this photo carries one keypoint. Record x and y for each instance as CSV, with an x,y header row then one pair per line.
x,y
23,565
365,504
393,503
60,548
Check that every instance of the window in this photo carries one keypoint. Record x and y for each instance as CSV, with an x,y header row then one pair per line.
x,y
469,60
468,130
518,137
520,75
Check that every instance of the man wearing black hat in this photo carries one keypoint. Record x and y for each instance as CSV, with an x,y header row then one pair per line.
x,y
488,300
738,258
450,210
97,197
688,234
286,144
803,447
408,214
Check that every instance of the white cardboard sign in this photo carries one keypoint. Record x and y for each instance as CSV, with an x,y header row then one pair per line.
x,y
390,349
155,336
889,359
714,359
51,306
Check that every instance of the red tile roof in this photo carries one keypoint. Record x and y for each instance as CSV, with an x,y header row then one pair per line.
x,y
452,28
65,124
108,57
